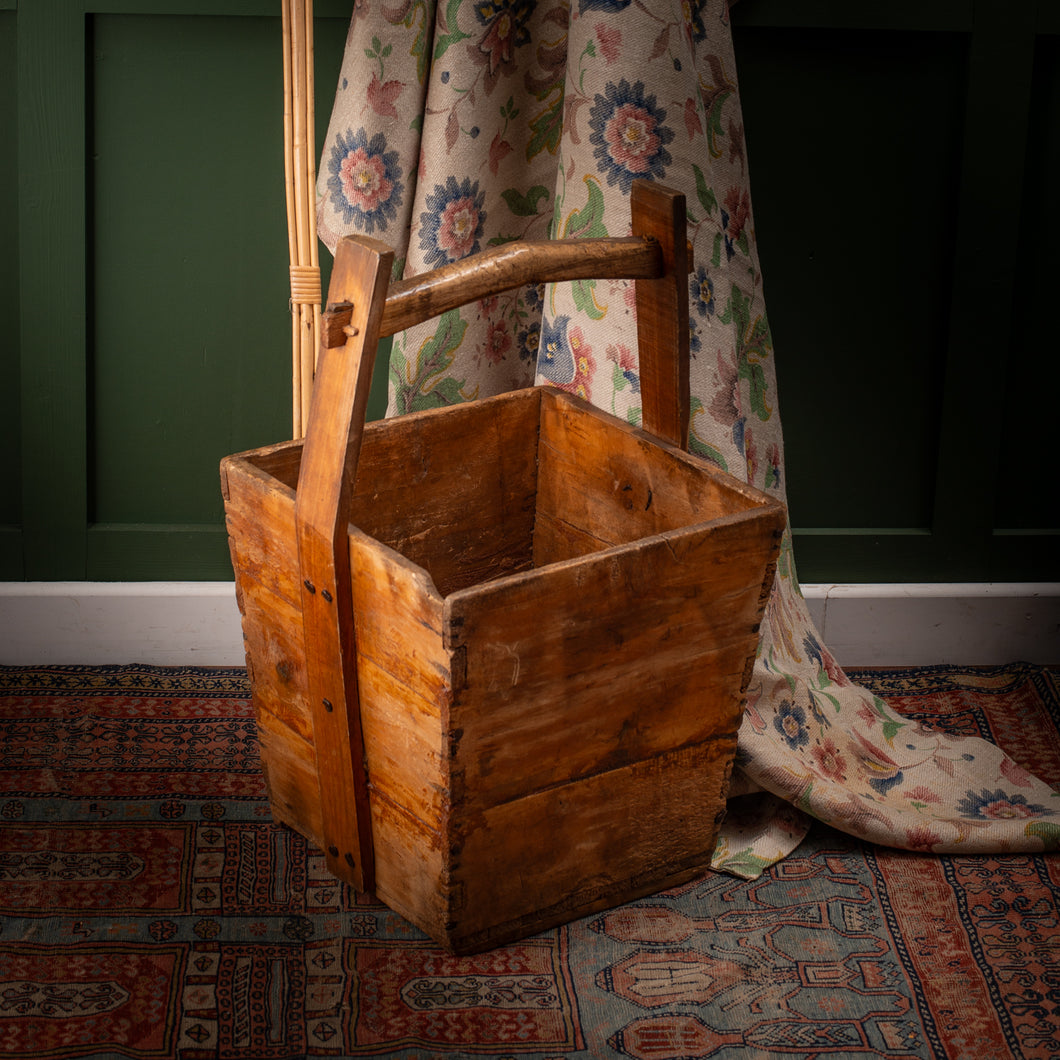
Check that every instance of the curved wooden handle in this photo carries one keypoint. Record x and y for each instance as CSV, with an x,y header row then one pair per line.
x,y
516,264
657,256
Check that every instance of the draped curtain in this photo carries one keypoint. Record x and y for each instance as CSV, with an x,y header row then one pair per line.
x,y
461,124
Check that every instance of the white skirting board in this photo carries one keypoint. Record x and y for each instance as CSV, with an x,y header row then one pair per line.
x,y
197,623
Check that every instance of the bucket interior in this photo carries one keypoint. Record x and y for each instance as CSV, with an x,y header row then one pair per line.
x,y
478,491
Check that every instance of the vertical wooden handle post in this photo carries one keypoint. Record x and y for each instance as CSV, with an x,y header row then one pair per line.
x,y
662,314
325,485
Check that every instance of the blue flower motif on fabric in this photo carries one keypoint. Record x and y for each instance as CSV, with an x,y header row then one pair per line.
x,y
602,5
694,19
730,249
738,434
555,361
790,722
451,226
529,339
534,297
629,136
997,805
813,649
701,292
365,180
695,344
884,784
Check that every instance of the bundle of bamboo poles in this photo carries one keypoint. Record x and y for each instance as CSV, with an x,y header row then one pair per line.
x,y
300,173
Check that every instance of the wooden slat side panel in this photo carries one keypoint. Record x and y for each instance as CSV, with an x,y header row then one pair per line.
x,y
398,729
272,636
405,672
453,490
402,728
399,620
410,864
403,744
578,848
408,856
604,660
403,677
259,516
289,765
614,483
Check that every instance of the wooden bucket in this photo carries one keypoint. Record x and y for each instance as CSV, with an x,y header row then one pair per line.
x,y
498,651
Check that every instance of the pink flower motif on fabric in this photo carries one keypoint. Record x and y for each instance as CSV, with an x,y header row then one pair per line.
x,y
456,232
998,805
381,96
584,363
364,180
497,43
866,714
498,341
737,210
1015,773
506,30
629,134
632,138
920,837
499,151
921,793
451,226
692,122
830,760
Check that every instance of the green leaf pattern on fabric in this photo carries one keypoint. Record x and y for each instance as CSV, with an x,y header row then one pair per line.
x,y
525,205
420,383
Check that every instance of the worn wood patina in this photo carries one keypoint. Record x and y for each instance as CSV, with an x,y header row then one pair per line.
x,y
499,650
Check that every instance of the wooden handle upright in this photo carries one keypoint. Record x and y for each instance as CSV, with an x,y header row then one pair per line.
x,y
325,485
662,314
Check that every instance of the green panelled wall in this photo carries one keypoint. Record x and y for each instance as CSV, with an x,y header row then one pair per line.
x,y
1027,492
903,158
189,324
10,465
857,248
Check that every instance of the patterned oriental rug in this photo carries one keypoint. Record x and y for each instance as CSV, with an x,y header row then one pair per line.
x,y
152,909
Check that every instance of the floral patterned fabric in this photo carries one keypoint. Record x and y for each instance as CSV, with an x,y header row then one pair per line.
x,y
463,124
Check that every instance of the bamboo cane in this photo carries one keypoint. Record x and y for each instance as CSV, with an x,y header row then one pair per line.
x,y
300,181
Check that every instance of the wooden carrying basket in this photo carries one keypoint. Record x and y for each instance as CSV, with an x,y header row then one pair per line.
x,y
521,706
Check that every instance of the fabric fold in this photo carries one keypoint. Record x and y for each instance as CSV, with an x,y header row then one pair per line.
x,y
465,125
